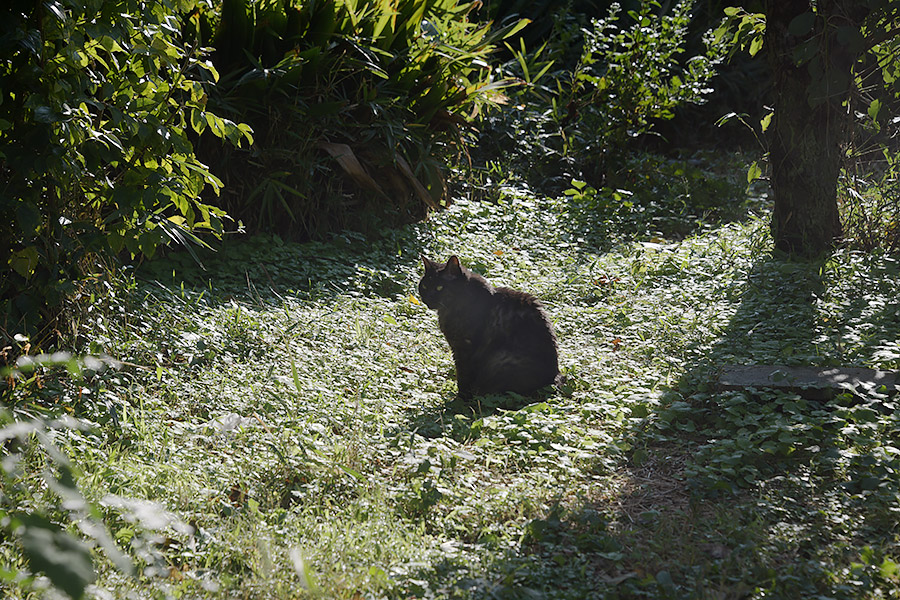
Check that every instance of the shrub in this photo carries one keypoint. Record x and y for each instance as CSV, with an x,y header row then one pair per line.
x,y
97,99
870,204
579,121
356,105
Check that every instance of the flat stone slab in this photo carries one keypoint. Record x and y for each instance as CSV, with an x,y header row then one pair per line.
x,y
813,383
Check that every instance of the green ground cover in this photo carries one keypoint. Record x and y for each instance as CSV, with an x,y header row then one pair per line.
x,y
285,425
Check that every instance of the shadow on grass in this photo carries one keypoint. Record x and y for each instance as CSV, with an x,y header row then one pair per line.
x,y
749,493
454,417
264,267
729,492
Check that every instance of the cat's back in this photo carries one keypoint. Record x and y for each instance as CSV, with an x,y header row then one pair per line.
x,y
517,304
519,320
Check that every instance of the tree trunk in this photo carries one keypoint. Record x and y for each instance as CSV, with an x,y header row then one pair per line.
x,y
808,130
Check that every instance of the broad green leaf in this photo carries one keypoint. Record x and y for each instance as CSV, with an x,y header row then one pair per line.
x,y
754,172
756,45
802,24
65,560
28,218
889,569
874,109
45,114
216,124
198,120
115,240
852,38
247,131
25,261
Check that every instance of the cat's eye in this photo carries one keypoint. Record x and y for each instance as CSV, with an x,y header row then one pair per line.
x,y
439,288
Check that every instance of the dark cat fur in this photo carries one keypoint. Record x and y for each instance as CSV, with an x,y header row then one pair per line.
x,y
501,339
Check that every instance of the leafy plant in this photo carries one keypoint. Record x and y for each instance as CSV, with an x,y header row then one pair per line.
x,y
870,203
44,522
98,100
580,117
627,78
655,198
356,105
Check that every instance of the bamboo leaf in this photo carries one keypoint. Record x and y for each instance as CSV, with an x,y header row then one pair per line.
x,y
345,157
420,190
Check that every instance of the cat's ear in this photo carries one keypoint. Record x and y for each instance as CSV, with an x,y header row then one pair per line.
x,y
430,265
453,265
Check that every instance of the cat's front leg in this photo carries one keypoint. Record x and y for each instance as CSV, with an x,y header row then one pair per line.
x,y
465,378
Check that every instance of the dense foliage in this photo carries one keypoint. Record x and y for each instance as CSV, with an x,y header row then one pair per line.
x,y
593,89
357,106
98,99
278,419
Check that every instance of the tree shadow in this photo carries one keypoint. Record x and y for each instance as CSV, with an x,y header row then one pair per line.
x,y
730,485
264,268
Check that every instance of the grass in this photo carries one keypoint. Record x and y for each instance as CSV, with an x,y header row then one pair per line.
x,y
286,425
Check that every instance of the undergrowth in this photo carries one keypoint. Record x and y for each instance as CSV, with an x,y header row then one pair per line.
x,y
284,424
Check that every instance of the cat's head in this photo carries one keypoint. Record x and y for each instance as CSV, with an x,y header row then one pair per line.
x,y
439,281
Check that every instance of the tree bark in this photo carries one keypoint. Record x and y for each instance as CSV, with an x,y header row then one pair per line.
x,y
811,79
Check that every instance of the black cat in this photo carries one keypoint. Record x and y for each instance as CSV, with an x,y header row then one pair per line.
x,y
502,340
